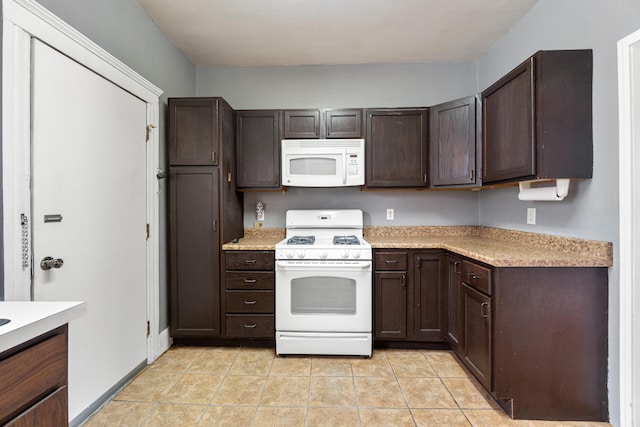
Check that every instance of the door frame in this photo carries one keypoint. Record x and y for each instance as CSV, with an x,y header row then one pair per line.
x,y
629,156
22,20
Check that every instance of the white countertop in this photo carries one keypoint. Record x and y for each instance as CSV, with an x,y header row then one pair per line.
x,y
30,319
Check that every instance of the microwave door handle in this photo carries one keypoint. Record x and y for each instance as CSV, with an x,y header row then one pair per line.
x,y
344,164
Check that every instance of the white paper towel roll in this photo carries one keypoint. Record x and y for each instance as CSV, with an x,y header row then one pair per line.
x,y
554,193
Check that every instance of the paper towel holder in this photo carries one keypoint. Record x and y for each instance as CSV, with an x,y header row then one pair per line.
x,y
554,194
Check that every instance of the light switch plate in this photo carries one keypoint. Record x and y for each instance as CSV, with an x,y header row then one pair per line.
x,y
531,216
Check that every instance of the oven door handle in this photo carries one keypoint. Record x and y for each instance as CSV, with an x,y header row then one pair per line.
x,y
294,265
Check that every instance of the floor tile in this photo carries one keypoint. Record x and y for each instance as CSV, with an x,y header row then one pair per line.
x,y
331,366
149,386
445,364
239,390
286,391
176,359
116,413
332,391
227,416
439,418
252,363
469,394
291,366
379,393
410,365
386,418
194,389
214,363
377,366
491,418
428,393
279,417
171,415
333,417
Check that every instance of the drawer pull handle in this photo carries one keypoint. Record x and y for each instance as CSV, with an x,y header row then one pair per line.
x,y
473,276
250,281
250,302
250,326
391,261
249,261
484,309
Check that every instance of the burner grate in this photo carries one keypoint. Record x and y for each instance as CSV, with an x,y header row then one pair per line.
x,y
345,240
301,240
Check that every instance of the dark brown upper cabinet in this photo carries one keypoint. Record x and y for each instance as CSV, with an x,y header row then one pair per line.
x,y
194,124
396,148
324,123
454,143
258,149
537,120
300,124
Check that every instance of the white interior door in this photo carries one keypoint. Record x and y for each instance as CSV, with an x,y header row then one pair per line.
x,y
88,167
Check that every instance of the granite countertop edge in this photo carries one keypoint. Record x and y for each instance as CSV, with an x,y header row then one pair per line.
x,y
493,246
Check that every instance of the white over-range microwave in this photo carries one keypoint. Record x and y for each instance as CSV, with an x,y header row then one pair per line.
x,y
322,162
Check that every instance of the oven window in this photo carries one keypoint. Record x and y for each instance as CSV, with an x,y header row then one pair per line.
x,y
313,166
323,295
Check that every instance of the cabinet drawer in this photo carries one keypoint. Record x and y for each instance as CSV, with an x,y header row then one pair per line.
x,y
476,276
391,261
28,376
250,260
246,326
244,280
249,302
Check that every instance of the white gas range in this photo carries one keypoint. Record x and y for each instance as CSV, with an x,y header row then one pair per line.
x,y
323,284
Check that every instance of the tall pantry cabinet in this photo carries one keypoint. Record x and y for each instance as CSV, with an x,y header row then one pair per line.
x,y
204,211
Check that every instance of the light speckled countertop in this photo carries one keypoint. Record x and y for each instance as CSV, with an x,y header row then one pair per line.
x,y
493,246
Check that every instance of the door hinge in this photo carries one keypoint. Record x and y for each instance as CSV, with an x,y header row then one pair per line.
x,y
147,229
148,131
148,328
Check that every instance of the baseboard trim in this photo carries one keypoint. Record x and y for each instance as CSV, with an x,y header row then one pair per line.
x,y
84,415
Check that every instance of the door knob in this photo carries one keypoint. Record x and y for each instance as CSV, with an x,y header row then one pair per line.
x,y
48,263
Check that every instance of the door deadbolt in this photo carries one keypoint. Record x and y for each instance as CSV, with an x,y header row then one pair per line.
x,y
48,263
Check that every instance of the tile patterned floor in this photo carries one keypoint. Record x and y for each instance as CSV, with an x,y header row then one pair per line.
x,y
221,386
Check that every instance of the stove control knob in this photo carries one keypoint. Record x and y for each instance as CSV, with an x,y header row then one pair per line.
x,y
356,254
301,254
289,254
324,255
345,254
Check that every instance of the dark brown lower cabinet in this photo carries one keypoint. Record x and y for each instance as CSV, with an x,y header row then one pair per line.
x,y
476,315
34,382
453,325
408,304
194,252
249,294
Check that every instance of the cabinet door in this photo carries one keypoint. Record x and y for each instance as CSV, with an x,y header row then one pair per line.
x,y
345,123
301,124
452,142
428,314
454,299
476,309
193,131
194,252
390,305
508,135
396,150
258,149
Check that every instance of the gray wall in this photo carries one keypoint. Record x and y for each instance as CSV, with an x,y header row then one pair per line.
x,y
333,86
122,29
591,210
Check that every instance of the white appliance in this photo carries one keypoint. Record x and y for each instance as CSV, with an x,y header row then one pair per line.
x,y
323,284
322,162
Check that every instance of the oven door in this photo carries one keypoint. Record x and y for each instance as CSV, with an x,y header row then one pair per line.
x,y
323,296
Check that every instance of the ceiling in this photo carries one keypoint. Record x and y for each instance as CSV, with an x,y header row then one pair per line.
x,y
311,32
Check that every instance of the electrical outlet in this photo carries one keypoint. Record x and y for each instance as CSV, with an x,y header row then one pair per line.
x,y
531,216
390,214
